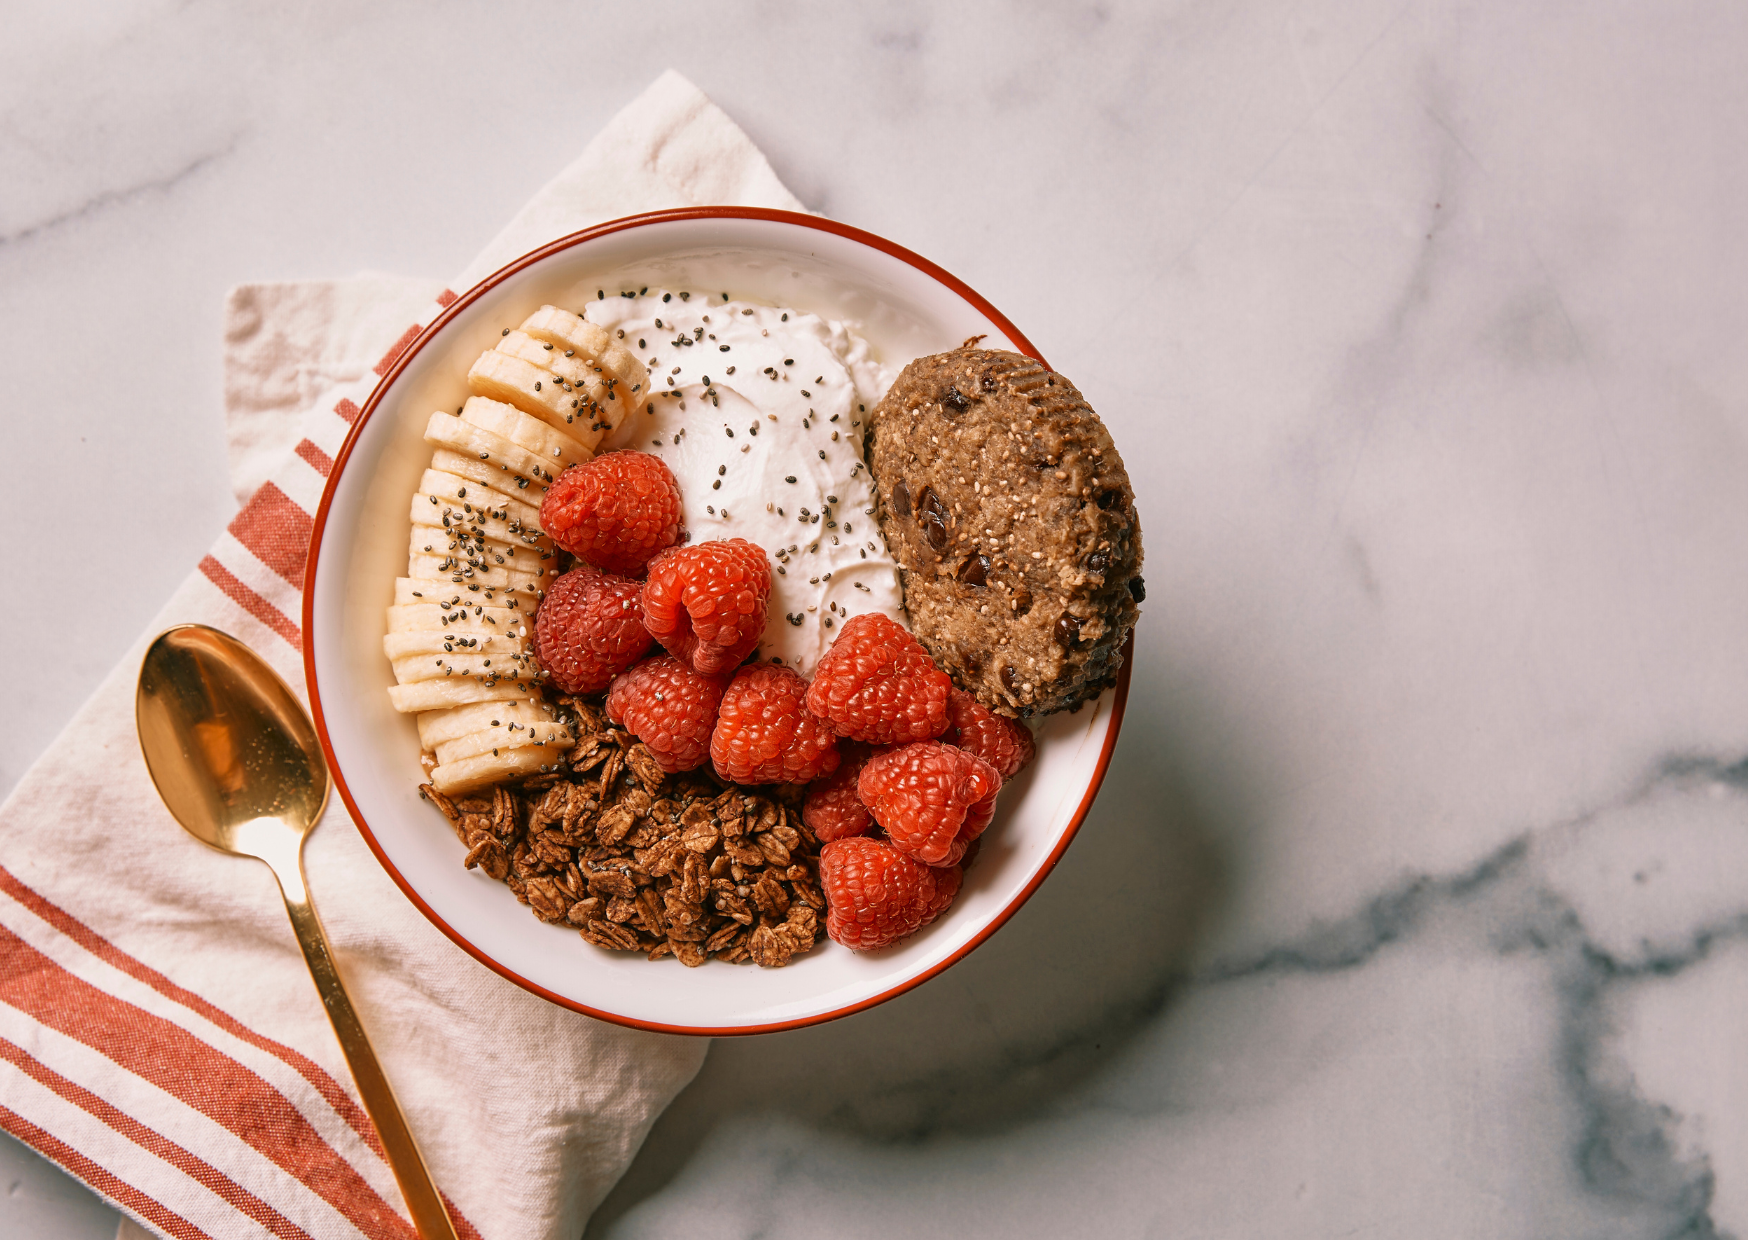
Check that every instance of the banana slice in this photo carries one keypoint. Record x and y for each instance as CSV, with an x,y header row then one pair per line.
x,y
553,735
447,570
466,494
625,375
595,405
451,691
445,430
453,666
422,642
556,448
438,726
410,593
474,567
540,393
581,372
488,768
448,515
413,592
435,618
491,475
478,552
526,597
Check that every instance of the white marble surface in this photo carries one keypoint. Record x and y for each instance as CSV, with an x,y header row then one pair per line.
x,y
1416,903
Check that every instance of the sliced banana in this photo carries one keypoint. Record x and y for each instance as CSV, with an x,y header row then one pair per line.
x,y
457,691
412,668
434,618
491,474
488,768
445,430
625,375
448,570
478,552
466,494
412,592
540,393
595,402
484,741
438,726
559,450
581,373
422,642
475,564
449,516
459,633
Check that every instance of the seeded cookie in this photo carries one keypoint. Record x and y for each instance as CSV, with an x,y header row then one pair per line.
x,y
1009,511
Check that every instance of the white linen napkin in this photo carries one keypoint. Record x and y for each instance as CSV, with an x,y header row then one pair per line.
x,y
159,1036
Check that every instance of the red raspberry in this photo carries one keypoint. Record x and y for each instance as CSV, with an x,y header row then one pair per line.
x,y
589,629
876,896
878,684
706,603
834,809
668,707
766,735
932,798
615,511
1006,744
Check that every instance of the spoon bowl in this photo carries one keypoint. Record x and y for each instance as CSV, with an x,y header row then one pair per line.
x,y
235,757
225,741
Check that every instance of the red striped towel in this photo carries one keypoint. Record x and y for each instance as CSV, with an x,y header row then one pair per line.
x,y
159,1036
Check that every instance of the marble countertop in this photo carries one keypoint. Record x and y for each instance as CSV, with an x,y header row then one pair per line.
x,y
1416,902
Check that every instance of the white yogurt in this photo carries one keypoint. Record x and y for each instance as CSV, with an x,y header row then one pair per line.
x,y
806,385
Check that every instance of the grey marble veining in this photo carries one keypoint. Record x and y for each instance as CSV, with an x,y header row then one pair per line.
x,y
1461,1055
1416,901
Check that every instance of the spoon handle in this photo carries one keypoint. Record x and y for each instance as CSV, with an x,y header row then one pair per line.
x,y
430,1219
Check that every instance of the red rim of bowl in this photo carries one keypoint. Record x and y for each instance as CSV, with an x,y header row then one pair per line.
x,y
321,517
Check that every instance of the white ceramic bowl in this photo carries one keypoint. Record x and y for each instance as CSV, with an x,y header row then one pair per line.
x,y
905,306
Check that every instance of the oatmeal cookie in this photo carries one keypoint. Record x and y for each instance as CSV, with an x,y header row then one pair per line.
x,y
1010,514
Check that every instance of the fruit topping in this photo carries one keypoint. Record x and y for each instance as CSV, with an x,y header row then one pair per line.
x,y
589,629
1006,744
834,809
614,512
876,895
668,707
932,798
766,735
878,684
706,603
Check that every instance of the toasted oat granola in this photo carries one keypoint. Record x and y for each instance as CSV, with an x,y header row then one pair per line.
x,y
640,860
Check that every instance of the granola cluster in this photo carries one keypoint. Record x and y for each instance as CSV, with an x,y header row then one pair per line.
x,y
640,860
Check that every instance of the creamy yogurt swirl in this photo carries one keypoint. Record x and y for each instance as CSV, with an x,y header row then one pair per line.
x,y
761,412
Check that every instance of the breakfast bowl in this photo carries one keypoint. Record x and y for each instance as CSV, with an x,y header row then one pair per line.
x,y
904,307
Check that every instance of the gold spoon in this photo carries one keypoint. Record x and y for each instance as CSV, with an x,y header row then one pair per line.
x,y
236,760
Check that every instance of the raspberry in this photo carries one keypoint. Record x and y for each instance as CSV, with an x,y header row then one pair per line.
x,y
615,511
878,684
932,798
668,707
1006,744
876,896
834,809
589,629
706,603
766,735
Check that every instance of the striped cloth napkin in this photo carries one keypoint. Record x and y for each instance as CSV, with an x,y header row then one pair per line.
x,y
159,1035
